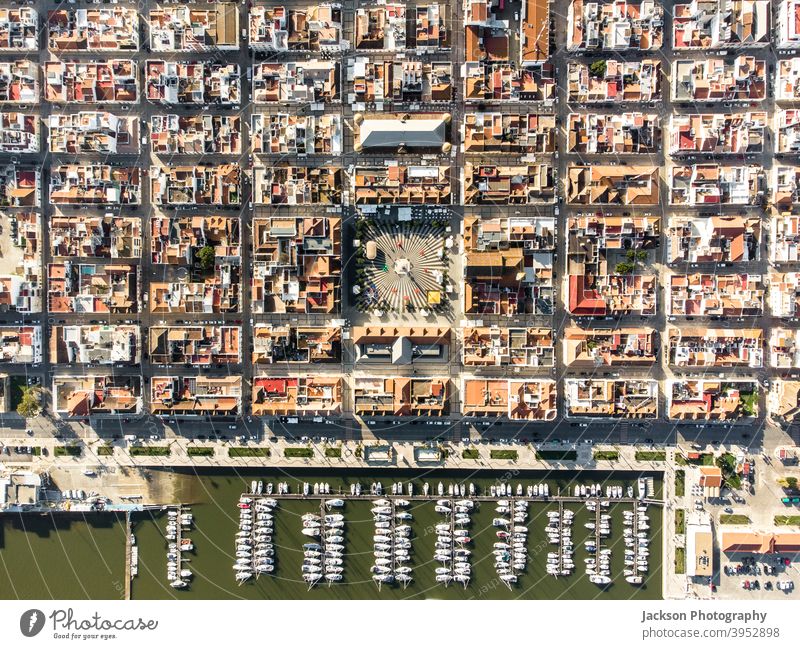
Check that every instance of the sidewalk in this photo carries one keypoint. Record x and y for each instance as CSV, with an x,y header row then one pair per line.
x,y
402,455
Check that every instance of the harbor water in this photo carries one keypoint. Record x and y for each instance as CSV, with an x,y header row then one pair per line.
x,y
62,556
214,498
69,555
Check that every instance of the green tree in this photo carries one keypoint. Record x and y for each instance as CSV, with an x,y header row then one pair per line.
x,y
623,268
31,403
206,257
598,69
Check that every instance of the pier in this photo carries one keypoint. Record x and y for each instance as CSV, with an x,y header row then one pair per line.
x,y
433,497
561,537
128,555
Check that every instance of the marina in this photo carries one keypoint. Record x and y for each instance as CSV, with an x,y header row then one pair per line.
x,y
255,551
179,521
413,554
216,518
392,541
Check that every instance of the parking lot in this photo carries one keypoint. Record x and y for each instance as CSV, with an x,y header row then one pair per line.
x,y
758,577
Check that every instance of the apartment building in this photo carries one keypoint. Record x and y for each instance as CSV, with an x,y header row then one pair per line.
x,y
507,346
196,185
115,81
788,24
219,291
787,131
494,132
712,400
784,240
196,396
431,31
532,400
98,344
93,132
715,239
306,395
179,239
74,287
93,396
293,82
19,132
103,29
107,237
508,265
489,184
786,184
401,184
187,28
197,346
193,82
506,82
700,347
612,184
94,184
297,264
611,398
195,134
614,134
21,285
20,345
732,79
718,133
274,344
19,82
381,27
784,295
715,24
285,133
787,85
285,184
617,25
296,29
706,294
696,185
20,186
601,348
784,348
399,81
614,82
401,397
19,29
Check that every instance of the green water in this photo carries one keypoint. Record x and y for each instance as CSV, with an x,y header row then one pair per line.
x,y
82,556
214,500
66,556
